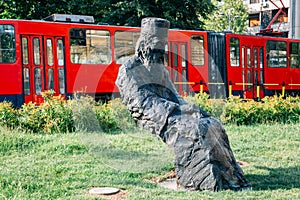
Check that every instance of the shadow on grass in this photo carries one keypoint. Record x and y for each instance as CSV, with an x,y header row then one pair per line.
x,y
277,178
132,160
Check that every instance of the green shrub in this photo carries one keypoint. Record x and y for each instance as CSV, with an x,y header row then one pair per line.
x,y
93,116
283,110
54,115
246,112
241,112
8,115
215,107
105,116
121,115
84,114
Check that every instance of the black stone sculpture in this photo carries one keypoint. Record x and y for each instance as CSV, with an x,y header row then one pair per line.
x,y
203,157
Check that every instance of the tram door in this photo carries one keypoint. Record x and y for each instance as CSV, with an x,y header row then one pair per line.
x,y
179,70
55,65
43,66
253,69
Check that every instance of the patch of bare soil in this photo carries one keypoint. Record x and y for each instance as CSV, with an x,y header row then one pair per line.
x,y
243,163
169,175
167,180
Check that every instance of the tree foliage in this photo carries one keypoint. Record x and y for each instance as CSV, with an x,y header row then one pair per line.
x,y
230,15
184,14
39,9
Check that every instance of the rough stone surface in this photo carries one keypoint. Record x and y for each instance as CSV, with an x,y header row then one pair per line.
x,y
203,157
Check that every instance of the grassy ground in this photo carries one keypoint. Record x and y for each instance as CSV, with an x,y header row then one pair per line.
x,y
65,166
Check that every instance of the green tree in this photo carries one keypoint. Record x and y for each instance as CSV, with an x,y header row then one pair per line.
x,y
39,9
228,15
184,14
28,9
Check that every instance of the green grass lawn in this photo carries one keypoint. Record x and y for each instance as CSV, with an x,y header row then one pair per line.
x,y
65,166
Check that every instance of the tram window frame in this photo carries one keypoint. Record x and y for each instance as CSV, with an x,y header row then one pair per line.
x,y
183,55
175,57
60,52
90,46
51,79
36,51
234,52
294,55
38,81
261,64
26,77
276,54
125,40
25,55
197,50
166,55
7,44
50,56
61,77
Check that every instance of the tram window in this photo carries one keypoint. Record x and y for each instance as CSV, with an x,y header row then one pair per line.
x,y
295,55
234,52
37,81
261,55
49,52
36,51
60,52
249,84
125,42
197,50
7,44
175,58
90,46
276,54
184,79
176,79
261,65
61,77
243,57
50,79
248,57
183,55
255,58
26,81
166,56
25,51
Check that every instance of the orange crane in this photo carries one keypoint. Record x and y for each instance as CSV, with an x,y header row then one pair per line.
x,y
281,13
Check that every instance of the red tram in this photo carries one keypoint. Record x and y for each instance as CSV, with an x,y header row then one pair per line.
x,y
69,57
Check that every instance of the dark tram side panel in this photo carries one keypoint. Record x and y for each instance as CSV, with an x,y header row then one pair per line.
x,y
16,100
217,78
